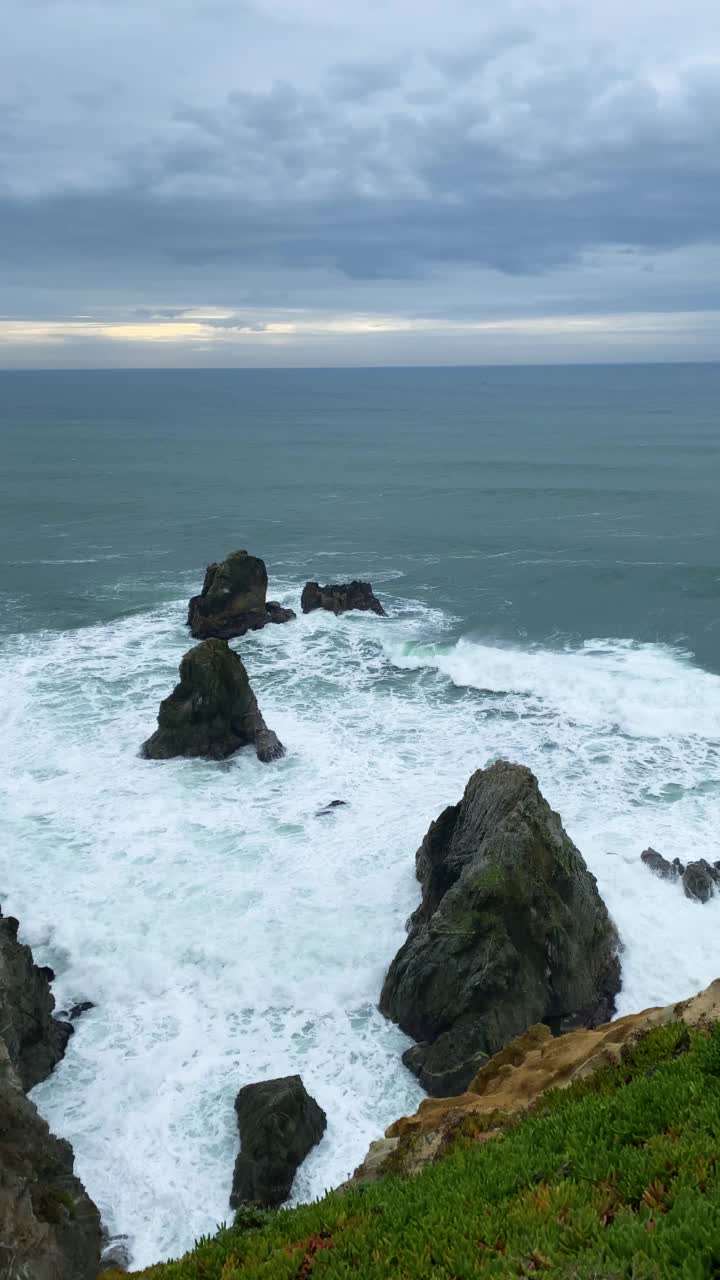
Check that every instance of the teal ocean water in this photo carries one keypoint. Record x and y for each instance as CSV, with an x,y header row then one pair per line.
x,y
547,545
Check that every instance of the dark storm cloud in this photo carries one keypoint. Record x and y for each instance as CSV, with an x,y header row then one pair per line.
x,y
368,153
284,176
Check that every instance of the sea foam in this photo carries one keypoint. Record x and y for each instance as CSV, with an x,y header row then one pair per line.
x,y
227,932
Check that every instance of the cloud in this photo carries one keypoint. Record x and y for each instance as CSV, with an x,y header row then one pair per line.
x,y
238,152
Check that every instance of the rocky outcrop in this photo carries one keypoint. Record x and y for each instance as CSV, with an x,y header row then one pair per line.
x,y
49,1226
212,712
511,931
233,599
514,1079
35,1040
701,880
340,598
279,1124
660,866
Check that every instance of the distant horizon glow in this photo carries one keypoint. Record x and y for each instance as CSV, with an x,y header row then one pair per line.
x,y
458,189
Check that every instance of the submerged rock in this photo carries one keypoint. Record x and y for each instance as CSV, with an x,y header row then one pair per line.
x,y
330,808
49,1226
340,598
212,712
511,931
700,880
232,600
660,866
515,1078
35,1040
279,1124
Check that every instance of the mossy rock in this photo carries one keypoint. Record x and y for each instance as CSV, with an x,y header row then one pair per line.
x,y
511,931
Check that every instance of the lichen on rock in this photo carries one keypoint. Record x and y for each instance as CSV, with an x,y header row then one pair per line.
x,y
213,711
511,931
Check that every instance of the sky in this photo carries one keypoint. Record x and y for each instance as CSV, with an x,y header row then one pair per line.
x,y
307,182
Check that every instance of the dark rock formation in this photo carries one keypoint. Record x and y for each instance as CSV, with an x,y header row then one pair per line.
x,y
700,880
330,808
340,598
232,600
35,1040
660,866
115,1254
511,931
212,711
279,1124
49,1227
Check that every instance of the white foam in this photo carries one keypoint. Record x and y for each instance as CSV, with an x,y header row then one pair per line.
x,y
227,933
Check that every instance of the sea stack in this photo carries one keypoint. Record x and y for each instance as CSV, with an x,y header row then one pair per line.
x,y
233,599
212,712
340,598
279,1125
511,931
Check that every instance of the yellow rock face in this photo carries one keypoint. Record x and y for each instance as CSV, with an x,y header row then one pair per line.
x,y
517,1076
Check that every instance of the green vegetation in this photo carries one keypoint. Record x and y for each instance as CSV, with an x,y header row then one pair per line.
x,y
615,1178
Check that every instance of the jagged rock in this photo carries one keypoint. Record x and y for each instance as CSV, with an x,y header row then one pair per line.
x,y
700,880
49,1226
232,600
35,1040
340,598
78,1010
515,1078
330,808
660,866
212,711
511,931
115,1254
279,1124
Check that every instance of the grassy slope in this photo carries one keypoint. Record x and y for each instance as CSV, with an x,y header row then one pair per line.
x,y
615,1177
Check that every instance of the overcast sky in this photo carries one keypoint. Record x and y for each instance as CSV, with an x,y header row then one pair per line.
x,y
281,182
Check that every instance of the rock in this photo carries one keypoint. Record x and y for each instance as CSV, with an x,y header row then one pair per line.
x,y
511,931
700,880
232,600
340,598
515,1078
115,1254
79,1009
661,867
278,613
49,1227
330,808
35,1040
212,711
279,1124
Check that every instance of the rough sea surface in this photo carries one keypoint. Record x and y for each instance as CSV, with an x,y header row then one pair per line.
x,y
547,545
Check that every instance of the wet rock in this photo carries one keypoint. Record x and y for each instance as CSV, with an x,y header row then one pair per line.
x,y
212,712
660,866
115,1254
79,1009
49,1226
232,600
511,931
700,880
35,1040
279,1124
330,808
278,613
340,598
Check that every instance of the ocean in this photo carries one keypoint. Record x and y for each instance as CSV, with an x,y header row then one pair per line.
x,y
546,542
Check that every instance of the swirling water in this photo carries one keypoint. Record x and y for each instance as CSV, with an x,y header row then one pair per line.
x,y
226,929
